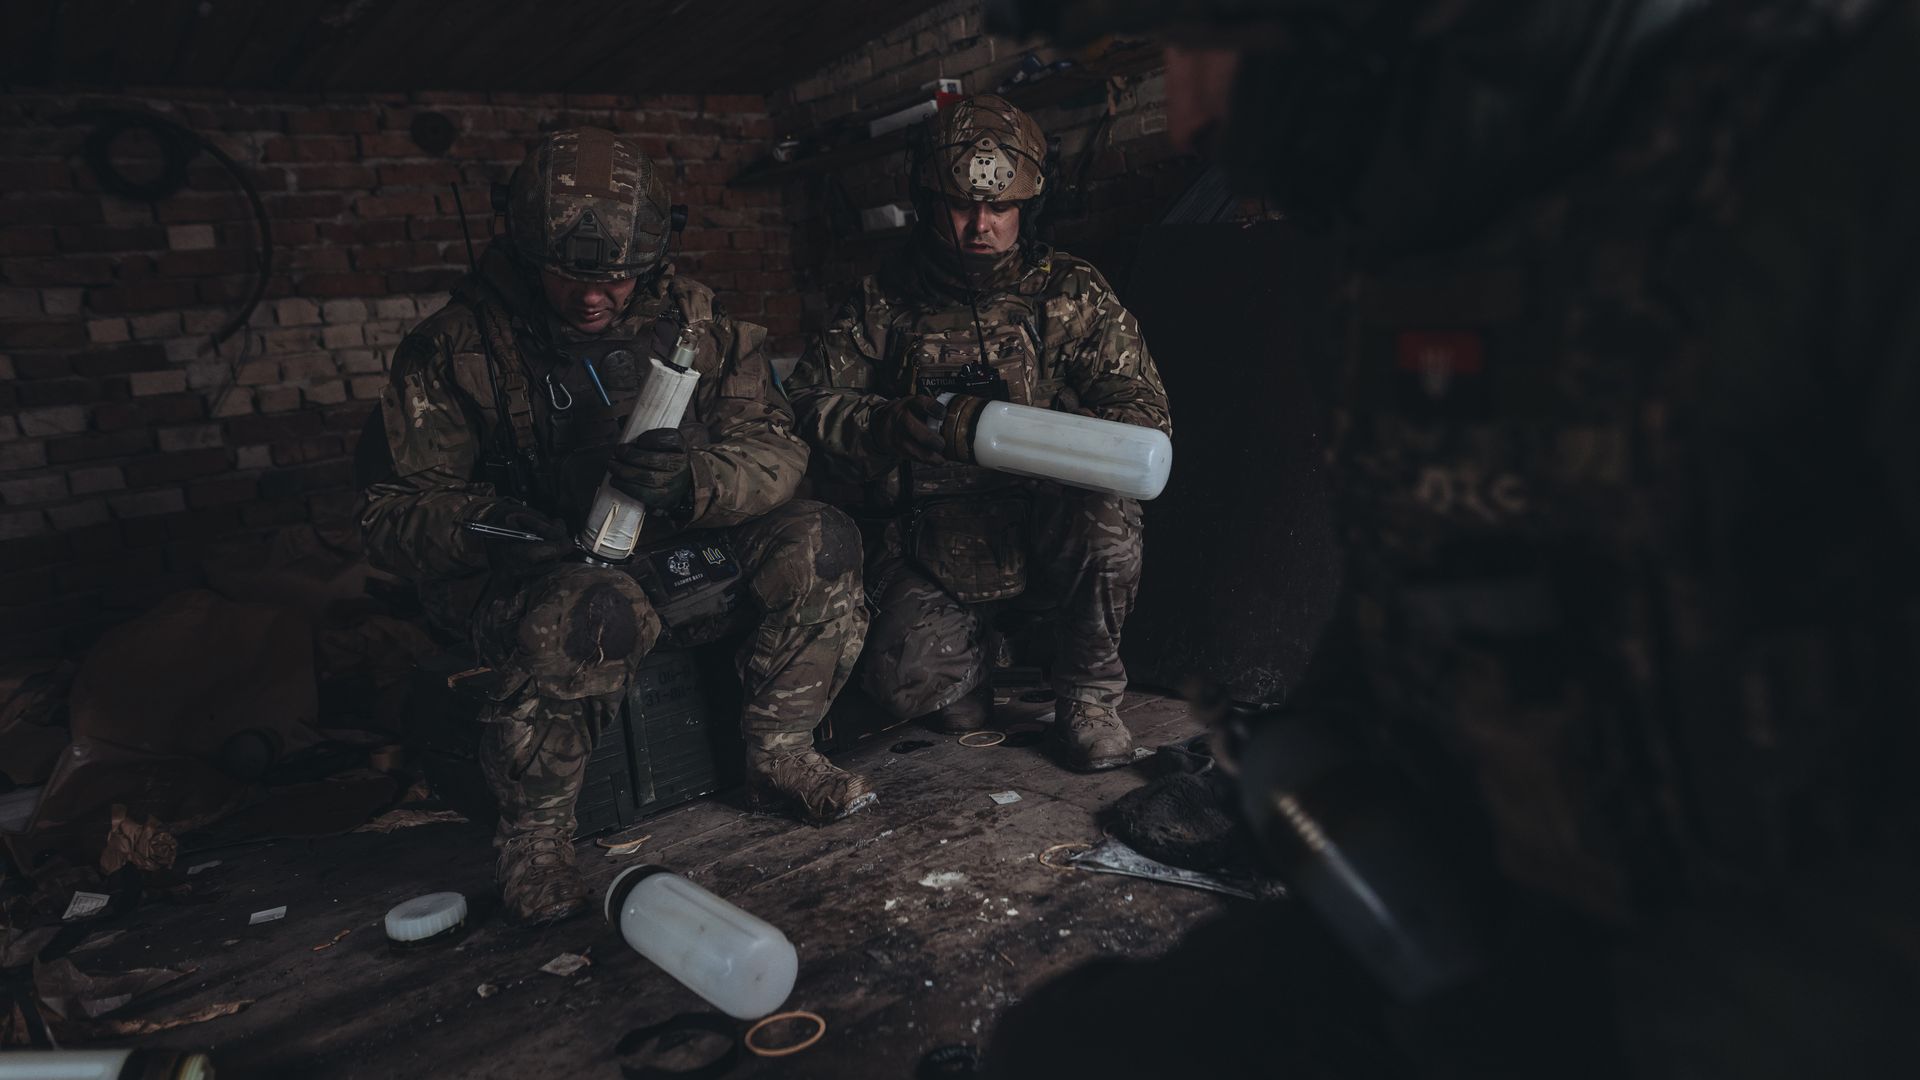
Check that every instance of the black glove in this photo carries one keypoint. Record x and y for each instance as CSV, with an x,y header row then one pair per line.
x,y
905,426
655,469
1067,401
510,556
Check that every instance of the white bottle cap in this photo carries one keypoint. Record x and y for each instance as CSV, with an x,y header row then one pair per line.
x,y
425,916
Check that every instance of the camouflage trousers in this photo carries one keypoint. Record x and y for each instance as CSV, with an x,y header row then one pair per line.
x,y
925,649
571,638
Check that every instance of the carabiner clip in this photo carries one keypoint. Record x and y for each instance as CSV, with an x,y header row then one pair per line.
x,y
556,391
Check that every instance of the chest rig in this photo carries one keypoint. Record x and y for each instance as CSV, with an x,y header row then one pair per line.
x,y
967,527
569,402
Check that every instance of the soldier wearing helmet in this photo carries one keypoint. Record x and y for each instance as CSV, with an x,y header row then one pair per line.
x,y
974,303
505,408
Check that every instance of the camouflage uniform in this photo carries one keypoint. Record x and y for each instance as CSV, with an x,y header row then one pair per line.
x,y
565,638
950,538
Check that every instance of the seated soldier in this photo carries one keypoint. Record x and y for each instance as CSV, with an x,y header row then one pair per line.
x,y
974,303
505,411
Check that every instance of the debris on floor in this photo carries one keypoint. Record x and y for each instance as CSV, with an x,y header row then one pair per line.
x,y
407,819
269,915
1004,798
134,1028
72,994
337,938
623,847
1112,856
566,964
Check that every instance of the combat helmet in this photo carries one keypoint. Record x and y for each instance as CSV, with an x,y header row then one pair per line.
x,y
590,205
985,150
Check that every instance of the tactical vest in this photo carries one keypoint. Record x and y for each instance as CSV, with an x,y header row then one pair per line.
x,y
967,527
569,399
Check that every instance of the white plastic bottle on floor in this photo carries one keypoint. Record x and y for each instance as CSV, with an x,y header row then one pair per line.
x,y
1079,451
741,964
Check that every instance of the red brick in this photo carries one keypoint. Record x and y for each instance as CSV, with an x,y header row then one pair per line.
x,y
164,469
306,204
386,231
431,174
388,146
35,176
222,492
46,392
335,178
319,285
42,335
42,366
49,210
249,430
446,228
735,103
153,295
316,258
149,412
111,237
195,208
310,148
396,256
331,121
92,447
423,280
285,234
205,263
120,361
66,270
382,206
28,240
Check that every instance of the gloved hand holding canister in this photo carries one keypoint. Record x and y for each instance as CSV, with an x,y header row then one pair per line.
x,y
909,427
655,469
1070,448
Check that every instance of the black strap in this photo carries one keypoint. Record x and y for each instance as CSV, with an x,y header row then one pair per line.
x,y
685,1024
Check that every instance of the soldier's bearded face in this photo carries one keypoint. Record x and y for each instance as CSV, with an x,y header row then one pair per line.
x,y
587,306
983,228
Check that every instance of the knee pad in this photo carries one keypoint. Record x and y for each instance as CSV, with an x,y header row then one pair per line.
x,y
584,632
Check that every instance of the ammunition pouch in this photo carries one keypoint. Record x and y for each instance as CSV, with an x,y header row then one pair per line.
x,y
975,546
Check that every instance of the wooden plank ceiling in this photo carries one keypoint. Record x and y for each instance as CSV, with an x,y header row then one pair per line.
x,y
342,46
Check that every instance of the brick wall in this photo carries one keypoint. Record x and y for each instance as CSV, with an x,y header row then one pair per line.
x,y
129,452
1133,174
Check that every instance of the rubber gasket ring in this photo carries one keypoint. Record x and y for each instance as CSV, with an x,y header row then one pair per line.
x,y
783,1051
998,737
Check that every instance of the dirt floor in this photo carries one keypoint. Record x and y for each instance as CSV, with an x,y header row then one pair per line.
x,y
917,924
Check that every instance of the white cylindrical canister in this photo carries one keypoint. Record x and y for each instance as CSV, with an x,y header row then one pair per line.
x,y
741,964
613,525
1079,451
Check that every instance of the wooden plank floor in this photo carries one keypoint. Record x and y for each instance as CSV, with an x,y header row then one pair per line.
x,y
917,923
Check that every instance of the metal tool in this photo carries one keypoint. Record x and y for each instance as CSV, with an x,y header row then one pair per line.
x,y
507,534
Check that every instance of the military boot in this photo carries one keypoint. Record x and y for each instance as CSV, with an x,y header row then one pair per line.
x,y
538,882
1088,738
536,767
971,713
786,775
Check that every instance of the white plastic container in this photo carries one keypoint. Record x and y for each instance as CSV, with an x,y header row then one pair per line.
x,y
741,964
104,1065
613,525
1079,451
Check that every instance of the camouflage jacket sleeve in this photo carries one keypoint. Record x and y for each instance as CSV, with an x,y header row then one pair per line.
x,y
1099,352
832,389
413,521
754,460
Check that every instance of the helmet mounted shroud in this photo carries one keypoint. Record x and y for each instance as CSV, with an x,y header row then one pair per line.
x,y
590,205
983,149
